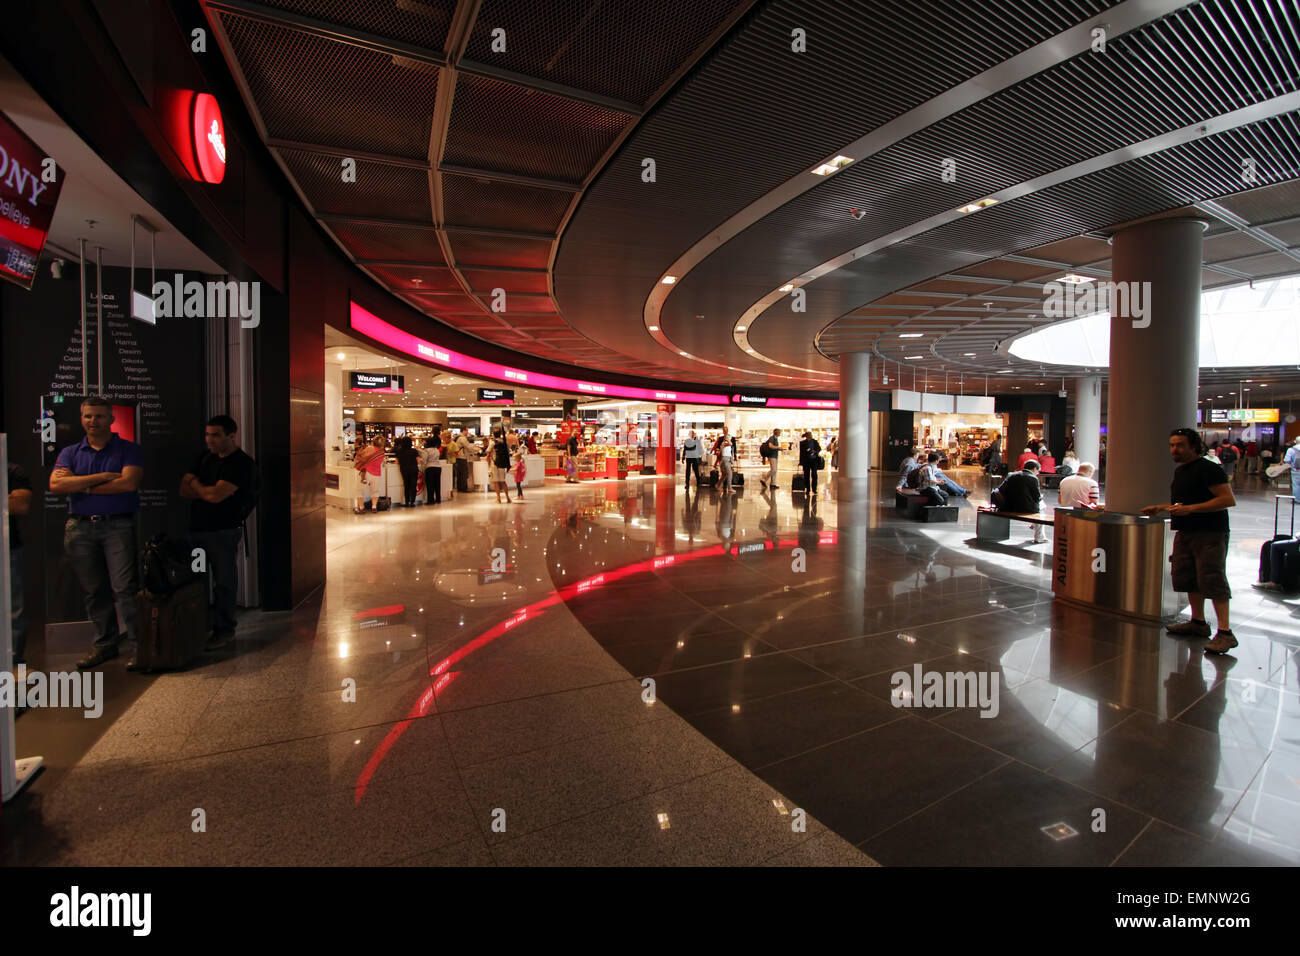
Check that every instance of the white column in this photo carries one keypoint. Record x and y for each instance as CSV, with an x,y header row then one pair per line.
x,y
1153,358
333,405
851,481
1087,418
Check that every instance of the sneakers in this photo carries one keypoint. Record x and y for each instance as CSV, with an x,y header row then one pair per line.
x,y
1223,642
1191,628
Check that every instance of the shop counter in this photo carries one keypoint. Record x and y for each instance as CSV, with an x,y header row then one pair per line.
x,y
536,467
444,470
1113,562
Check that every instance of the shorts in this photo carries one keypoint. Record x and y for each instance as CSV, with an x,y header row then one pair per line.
x,y
1198,561
499,474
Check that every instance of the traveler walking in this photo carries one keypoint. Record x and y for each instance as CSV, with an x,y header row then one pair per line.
x,y
810,460
692,452
432,471
770,450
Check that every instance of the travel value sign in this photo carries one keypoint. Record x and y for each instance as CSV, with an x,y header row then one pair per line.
x,y
29,190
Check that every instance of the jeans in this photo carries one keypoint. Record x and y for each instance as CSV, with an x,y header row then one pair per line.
x,y
724,472
934,495
103,556
433,486
222,551
17,619
692,464
771,471
951,486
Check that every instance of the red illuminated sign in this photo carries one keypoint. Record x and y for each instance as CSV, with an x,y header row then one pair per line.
x,y
27,202
209,137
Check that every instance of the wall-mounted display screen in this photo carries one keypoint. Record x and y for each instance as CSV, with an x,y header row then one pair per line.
x,y
375,382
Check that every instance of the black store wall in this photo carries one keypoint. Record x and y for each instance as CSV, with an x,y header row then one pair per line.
x,y
158,368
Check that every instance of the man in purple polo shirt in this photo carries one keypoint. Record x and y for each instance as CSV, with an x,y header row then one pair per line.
x,y
101,476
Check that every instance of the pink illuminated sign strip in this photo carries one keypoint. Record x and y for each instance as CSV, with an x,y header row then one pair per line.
x,y
367,323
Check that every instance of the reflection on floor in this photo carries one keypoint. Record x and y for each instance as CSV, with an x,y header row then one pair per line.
x,y
622,673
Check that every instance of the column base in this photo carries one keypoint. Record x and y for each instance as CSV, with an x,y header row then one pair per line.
x,y
852,489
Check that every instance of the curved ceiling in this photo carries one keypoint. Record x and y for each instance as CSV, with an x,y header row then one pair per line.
x,y
504,145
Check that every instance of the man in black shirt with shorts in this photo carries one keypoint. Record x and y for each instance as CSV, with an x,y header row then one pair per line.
x,y
223,483
1201,497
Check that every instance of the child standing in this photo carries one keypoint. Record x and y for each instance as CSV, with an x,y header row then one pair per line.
x,y
521,472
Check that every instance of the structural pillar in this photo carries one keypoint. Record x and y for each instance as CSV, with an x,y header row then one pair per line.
x,y
853,477
1154,356
1087,419
666,453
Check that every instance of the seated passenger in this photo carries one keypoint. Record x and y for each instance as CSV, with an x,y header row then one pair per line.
x,y
920,479
942,480
1048,464
908,465
1079,491
1025,456
1021,494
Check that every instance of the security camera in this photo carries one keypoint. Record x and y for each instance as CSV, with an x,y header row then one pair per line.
x,y
56,268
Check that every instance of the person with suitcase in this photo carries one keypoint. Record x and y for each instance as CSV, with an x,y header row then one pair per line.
x,y
223,485
692,454
1200,496
725,451
810,460
101,475
1279,557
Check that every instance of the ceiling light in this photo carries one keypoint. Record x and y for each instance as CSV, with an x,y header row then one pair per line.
x,y
340,356
789,286
910,357
969,354
668,280
683,353
910,335
1074,279
835,165
654,328
740,328
1005,371
977,205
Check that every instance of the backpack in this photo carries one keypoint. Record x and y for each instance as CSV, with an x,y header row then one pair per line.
x,y
166,565
1227,454
763,451
916,478
502,455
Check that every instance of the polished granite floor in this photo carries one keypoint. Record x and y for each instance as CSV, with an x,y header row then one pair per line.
x,y
621,673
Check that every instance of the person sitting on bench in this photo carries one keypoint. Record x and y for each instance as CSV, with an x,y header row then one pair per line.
x,y
943,481
1020,494
921,479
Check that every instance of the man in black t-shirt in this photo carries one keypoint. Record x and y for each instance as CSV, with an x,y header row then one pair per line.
x,y
1201,497
223,484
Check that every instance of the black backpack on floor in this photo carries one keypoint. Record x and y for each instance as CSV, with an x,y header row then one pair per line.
x,y
166,566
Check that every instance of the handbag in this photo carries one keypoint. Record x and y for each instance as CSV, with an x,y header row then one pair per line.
x,y
1274,470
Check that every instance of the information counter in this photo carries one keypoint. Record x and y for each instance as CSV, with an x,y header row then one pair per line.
x,y
1113,562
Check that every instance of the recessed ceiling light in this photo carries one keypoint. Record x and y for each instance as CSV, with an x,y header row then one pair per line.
x,y
741,328
786,288
910,335
910,357
668,280
1074,279
683,353
969,354
835,165
654,328
340,356
977,205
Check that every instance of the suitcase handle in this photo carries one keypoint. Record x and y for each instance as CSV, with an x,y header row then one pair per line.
x,y
1277,507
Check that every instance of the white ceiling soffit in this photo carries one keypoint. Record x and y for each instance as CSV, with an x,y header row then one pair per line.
x,y
1270,310
1078,39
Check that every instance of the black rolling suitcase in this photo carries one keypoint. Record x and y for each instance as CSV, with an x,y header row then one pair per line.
x,y
173,626
1279,557
737,480
799,484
